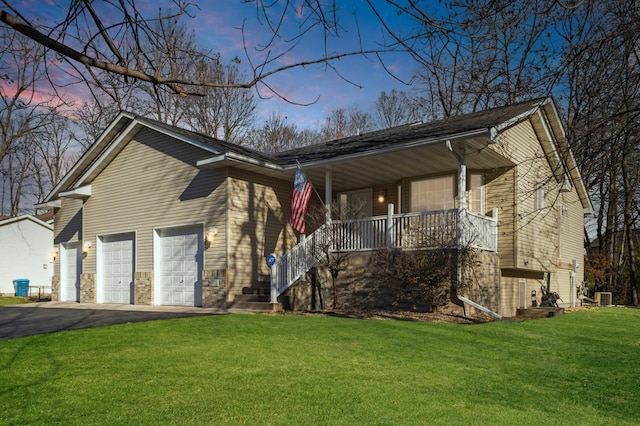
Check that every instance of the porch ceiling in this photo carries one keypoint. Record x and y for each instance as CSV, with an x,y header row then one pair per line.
x,y
390,167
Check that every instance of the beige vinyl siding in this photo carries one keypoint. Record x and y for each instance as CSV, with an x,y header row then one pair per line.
x,y
390,197
545,240
258,225
500,194
67,221
535,230
67,226
154,183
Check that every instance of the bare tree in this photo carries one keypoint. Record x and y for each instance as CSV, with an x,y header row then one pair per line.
x,y
54,152
117,37
604,106
225,113
481,54
172,54
23,112
342,122
16,173
277,135
93,117
399,107
22,108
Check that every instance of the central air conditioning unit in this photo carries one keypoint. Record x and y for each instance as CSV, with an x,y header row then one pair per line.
x,y
604,298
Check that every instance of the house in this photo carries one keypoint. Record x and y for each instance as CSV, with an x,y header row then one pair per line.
x,y
154,214
26,252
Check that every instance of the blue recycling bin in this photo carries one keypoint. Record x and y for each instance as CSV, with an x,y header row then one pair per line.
x,y
21,286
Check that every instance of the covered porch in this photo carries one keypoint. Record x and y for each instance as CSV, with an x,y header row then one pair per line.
x,y
428,195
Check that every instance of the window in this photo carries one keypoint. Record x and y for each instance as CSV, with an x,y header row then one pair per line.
x,y
356,204
433,194
539,196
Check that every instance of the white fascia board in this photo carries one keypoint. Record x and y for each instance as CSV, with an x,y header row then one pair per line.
x,y
231,156
553,145
182,138
572,165
211,160
421,142
87,154
105,154
126,135
57,203
79,192
514,120
552,106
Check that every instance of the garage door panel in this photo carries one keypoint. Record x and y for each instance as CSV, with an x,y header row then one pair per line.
x,y
117,277
181,265
71,267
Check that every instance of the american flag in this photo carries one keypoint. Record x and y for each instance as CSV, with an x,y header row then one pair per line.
x,y
299,202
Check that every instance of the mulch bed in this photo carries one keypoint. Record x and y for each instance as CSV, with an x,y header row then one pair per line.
x,y
448,314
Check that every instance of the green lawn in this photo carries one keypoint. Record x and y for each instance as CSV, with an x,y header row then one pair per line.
x,y
12,300
579,368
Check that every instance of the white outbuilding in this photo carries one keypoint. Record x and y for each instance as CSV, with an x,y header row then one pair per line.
x,y
26,252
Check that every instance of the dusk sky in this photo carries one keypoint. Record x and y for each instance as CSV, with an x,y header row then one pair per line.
x,y
216,26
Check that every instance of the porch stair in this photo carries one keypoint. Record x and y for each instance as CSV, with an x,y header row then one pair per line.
x,y
255,298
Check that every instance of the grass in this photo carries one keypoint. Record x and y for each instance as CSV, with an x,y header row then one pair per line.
x,y
580,368
12,300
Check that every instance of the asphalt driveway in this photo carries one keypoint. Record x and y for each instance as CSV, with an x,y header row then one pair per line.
x,y
50,317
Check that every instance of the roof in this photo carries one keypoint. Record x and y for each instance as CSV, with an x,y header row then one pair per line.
x,y
483,126
16,219
482,121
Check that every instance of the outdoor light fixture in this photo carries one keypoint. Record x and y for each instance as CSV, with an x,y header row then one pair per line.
x,y
210,236
85,248
54,253
381,196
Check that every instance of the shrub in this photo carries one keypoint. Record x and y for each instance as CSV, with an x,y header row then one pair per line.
x,y
420,280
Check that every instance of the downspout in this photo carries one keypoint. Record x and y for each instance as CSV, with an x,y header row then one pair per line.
x,y
461,215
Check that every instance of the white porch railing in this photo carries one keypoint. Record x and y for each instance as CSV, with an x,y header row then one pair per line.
x,y
296,262
425,230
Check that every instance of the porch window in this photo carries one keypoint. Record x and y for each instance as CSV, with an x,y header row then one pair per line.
x,y
475,195
433,194
441,194
356,204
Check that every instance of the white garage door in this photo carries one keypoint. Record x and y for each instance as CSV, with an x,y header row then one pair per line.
x,y
117,269
70,269
180,267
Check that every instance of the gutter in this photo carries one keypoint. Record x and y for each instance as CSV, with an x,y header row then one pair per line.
x,y
462,170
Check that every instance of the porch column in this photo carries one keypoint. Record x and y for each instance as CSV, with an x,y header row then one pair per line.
x,y
462,199
390,237
462,183
328,195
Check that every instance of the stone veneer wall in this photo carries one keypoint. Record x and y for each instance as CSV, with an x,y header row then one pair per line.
x,y
142,288
483,280
214,288
88,288
55,288
358,288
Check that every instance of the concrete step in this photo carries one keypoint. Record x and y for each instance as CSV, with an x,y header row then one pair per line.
x,y
252,298
257,289
256,306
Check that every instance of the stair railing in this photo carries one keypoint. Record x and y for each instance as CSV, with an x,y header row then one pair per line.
x,y
296,262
